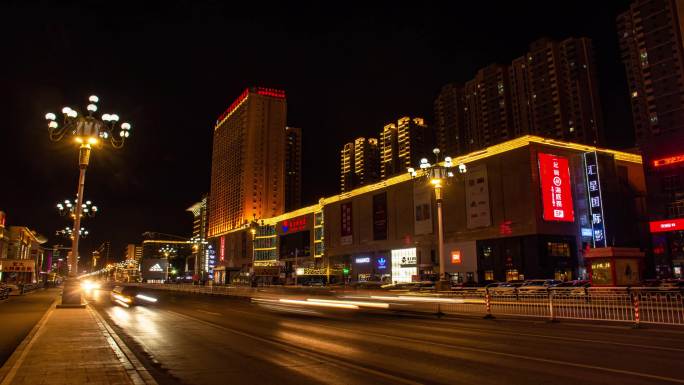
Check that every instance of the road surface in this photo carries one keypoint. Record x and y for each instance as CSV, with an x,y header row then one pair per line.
x,y
198,339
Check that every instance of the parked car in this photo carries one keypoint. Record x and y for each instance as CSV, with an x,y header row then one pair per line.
x,y
15,289
366,285
672,283
538,284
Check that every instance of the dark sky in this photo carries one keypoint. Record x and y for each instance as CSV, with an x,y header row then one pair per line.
x,y
171,68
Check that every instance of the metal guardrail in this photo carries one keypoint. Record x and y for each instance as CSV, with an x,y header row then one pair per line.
x,y
628,305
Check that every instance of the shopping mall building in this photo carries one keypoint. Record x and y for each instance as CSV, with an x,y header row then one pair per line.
x,y
526,208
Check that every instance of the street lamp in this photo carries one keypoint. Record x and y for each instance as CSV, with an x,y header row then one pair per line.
x,y
69,232
439,174
87,131
88,209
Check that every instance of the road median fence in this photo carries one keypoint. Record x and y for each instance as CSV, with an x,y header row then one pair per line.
x,y
635,305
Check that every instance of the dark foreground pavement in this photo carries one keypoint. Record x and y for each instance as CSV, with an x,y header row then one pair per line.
x,y
202,340
19,314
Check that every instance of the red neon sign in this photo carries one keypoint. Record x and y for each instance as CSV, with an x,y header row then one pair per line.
x,y
271,92
293,225
668,161
222,250
556,188
668,225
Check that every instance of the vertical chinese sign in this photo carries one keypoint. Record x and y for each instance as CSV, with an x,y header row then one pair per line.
x,y
556,188
598,230
346,223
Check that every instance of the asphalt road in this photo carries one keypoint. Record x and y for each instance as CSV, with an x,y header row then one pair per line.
x,y
18,315
197,339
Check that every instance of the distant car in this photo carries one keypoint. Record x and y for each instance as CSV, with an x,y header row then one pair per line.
x,y
130,296
538,284
366,285
469,284
672,283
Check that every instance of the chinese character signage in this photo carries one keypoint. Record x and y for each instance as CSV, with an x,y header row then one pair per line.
x,y
556,188
293,225
668,225
596,218
346,223
380,216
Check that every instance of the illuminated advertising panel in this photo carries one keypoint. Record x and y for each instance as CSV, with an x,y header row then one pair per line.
x,y
668,225
598,231
404,265
456,257
668,161
554,175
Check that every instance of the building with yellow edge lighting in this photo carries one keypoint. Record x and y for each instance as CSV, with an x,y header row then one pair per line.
x,y
526,208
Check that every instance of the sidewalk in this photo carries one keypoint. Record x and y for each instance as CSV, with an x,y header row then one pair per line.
x,y
73,346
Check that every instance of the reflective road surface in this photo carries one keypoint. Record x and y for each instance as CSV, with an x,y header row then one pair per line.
x,y
198,339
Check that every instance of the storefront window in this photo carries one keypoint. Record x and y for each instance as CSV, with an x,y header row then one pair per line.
x,y
601,273
563,275
511,275
558,249
489,275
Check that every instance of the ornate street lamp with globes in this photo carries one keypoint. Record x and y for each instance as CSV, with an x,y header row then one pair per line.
x,y
88,132
439,174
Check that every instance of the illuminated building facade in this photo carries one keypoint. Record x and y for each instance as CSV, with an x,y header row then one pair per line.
x,y
414,141
203,263
248,161
389,155
507,218
133,252
551,92
650,35
359,163
293,168
25,256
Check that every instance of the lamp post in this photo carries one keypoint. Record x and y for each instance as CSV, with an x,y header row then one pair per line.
x,y
439,174
87,131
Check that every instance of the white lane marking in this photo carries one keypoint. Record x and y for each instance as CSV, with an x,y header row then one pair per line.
x,y
303,352
597,341
521,356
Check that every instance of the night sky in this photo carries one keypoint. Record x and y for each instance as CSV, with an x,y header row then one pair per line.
x,y
171,68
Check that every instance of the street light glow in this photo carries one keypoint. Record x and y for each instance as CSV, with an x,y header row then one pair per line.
x,y
93,98
66,110
72,114
53,124
125,125
50,116
92,107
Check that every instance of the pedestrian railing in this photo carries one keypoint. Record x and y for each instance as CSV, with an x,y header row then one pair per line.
x,y
628,305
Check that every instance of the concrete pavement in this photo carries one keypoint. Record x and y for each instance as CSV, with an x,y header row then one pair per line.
x,y
72,346
19,314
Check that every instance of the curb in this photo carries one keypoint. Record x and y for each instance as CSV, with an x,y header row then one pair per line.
x,y
9,369
134,369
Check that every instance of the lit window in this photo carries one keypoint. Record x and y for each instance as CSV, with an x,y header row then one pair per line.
x,y
635,94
